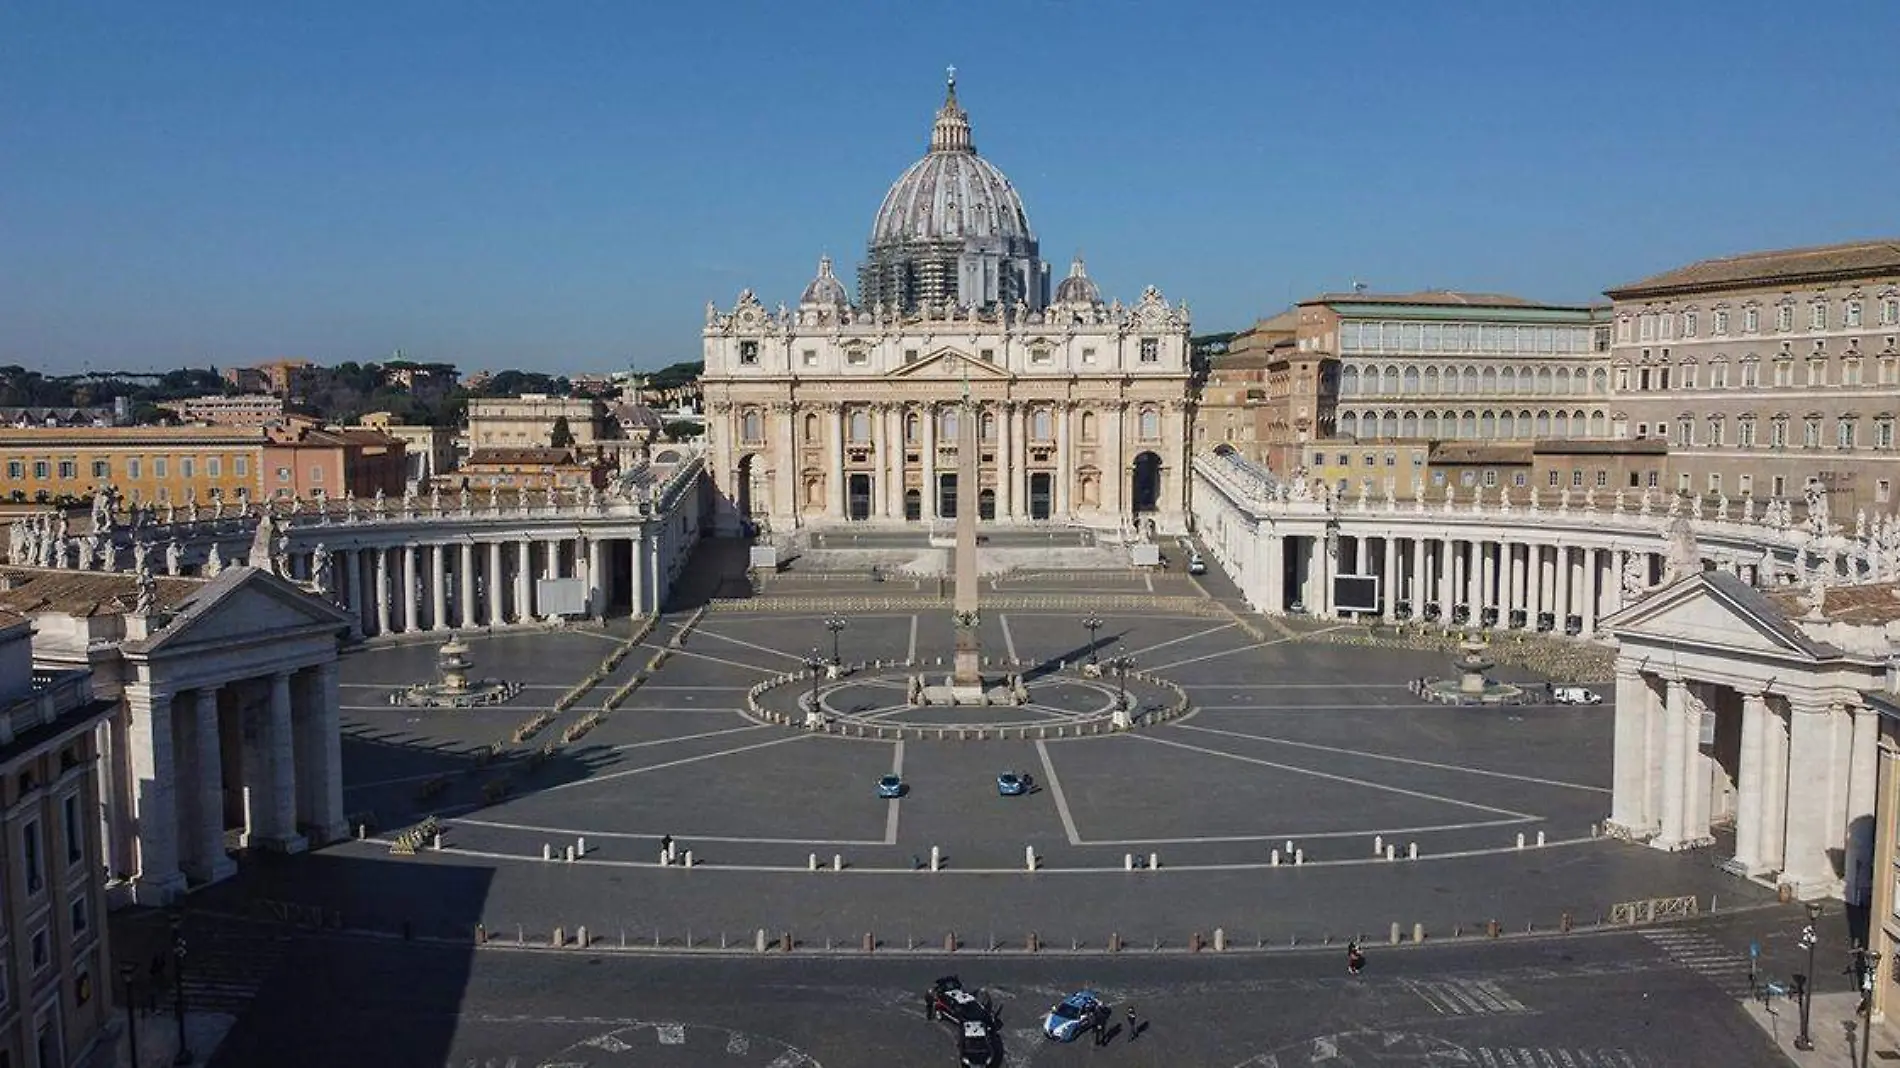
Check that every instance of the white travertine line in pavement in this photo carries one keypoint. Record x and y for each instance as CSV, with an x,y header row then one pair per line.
x,y
1009,640
1239,649
1183,638
1055,792
1398,760
611,776
890,817
705,633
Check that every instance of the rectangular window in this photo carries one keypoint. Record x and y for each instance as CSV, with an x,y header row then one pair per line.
x,y
1817,316
1467,478
80,915
1784,318
1745,484
1751,320
1519,480
1372,460
1685,431
1576,478
1850,372
1781,485
75,829
214,466
860,357
1890,311
1715,482
1689,323
101,469
1654,477
283,474
1603,478
1647,329
68,469
1817,372
1751,374
1745,433
1721,323
748,352
30,857
16,469
242,465
1150,350
1850,314
1844,434
1883,433
1088,356
1784,373
160,469
316,472
1682,482
1490,477
187,467
1553,479
1715,432
1811,433
1883,490
809,357
1688,373
42,470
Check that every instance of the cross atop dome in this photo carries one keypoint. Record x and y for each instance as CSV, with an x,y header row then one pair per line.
x,y
951,133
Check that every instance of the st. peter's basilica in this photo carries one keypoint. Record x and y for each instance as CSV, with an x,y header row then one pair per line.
x,y
840,411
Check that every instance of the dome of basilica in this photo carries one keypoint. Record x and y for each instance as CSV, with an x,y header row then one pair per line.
x,y
825,289
1078,288
952,194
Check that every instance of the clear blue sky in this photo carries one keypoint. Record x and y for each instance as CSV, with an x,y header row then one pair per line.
x,y
564,185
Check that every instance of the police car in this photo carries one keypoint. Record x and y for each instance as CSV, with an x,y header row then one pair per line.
x,y
950,1002
977,1046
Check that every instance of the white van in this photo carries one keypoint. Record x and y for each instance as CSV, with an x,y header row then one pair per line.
x,y
1575,695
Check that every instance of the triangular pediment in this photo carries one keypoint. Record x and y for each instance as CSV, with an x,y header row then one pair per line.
x,y
949,364
245,605
1720,615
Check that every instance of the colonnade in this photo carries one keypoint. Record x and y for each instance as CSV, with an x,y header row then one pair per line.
x,y
260,754
1792,769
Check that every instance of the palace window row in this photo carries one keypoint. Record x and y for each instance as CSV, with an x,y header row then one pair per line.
x,y
1821,314
1478,425
1787,370
1040,426
1810,431
1432,380
1506,339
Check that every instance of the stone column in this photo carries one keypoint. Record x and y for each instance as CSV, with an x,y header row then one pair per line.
x,y
279,808
1863,769
438,586
636,571
1507,582
1701,780
1275,566
209,862
788,506
1750,775
1443,575
1474,580
834,468
349,585
1019,458
406,590
494,582
381,594
1811,820
1589,591
596,581
1561,576
1389,582
154,805
1065,464
1774,752
928,498
1675,765
1419,596
465,601
1629,796
319,758
524,579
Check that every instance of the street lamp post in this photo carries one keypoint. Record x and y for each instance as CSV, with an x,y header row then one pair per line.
x,y
1803,1041
816,665
835,624
1869,968
1093,623
1122,664
131,1020
178,990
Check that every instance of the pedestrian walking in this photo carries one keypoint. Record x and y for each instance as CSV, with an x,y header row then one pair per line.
x,y
666,846
1101,1025
1134,1023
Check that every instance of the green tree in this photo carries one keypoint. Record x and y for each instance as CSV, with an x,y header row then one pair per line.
x,y
562,437
682,430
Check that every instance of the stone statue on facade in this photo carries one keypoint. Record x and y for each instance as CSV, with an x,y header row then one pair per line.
x,y
1504,500
1817,516
320,569
146,602
1748,507
1860,524
174,557
1451,497
1721,507
101,510
88,552
435,500
1648,502
109,554
1815,596
1563,499
141,554
1684,557
1695,507
171,513
467,501
280,556
494,499
191,508
1590,498
1633,579
378,502
16,540
409,501
1617,503
1299,490
214,563
263,540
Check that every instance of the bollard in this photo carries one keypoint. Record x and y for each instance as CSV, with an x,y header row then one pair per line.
x,y
1276,858
560,938
761,940
936,858
1393,938
1289,846
436,842
1540,839
814,862
1418,933
1411,851
1563,923
1593,830
580,937
1128,862
666,857
870,943
1115,942
362,830
1299,857
547,851
521,935
837,862
1378,844
1194,942
1029,858
481,934
1220,939
1154,861
785,942
1491,929
570,854
580,846
1391,852
1520,839
689,858
950,942
1034,942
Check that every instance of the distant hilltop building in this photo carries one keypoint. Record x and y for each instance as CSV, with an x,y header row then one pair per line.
x,y
847,411
245,409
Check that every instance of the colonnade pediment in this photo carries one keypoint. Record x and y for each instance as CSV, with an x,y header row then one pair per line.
x,y
243,603
1714,609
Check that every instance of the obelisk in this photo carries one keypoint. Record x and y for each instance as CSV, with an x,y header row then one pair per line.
x,y
969,657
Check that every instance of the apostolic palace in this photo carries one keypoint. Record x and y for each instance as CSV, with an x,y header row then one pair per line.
x,y
846,411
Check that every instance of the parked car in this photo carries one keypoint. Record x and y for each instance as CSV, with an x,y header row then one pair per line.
x,y
1196,565
977,1047
1575,695
1012,784
956,1006
1074,1015
891,786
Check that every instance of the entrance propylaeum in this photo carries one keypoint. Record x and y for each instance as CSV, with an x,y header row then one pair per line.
x,y
947,496
1145,483
1039,507
858,497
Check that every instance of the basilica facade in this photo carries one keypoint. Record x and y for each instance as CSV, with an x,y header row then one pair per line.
x,y
847,412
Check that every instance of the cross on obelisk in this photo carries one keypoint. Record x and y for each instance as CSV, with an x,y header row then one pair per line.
x,y
969,655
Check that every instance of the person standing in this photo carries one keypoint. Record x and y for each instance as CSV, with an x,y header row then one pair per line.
x,y
1134,1023
1101,1025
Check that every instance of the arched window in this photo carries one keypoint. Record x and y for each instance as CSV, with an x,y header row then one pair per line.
x,y
1431,380
1543,424
1468,382
1088,425
1348,424
911,426
1597,423
751,425
1599,381
1389,382
1410,380
1543,381
1468,426
988,426
1149,425
860,425
811,427
1041,425
947,425
1507,380
1408,425
1562,426
1430,425
1488,424
1563,379
1389,426
1507,425
1349,381
1488,382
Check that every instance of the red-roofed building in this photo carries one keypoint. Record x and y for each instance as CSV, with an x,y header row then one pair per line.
x,y
310,461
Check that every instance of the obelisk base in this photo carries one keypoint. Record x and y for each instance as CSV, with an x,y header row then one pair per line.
x,y
967,666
